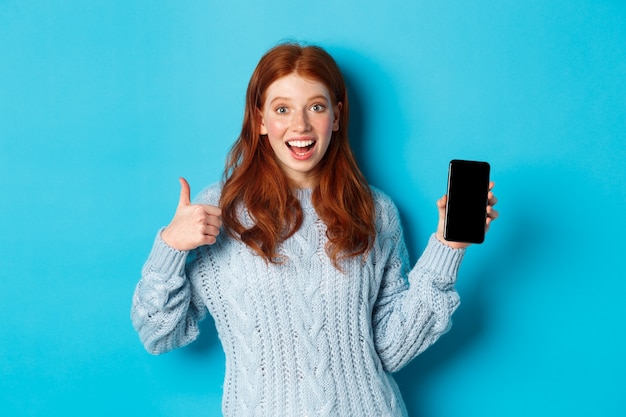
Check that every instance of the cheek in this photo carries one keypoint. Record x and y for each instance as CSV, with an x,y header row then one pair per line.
x,y
275,128
275,133
326,125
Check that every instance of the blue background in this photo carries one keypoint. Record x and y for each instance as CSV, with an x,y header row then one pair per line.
x,y
104,104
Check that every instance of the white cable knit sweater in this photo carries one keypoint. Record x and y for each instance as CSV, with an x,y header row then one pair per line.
x,y
302,338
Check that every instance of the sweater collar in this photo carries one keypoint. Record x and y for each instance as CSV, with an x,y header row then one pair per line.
x,y
304,196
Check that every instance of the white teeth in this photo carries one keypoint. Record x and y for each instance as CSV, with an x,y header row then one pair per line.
x,y
300,143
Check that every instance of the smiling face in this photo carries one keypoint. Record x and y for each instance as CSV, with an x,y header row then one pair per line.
x,y
298,118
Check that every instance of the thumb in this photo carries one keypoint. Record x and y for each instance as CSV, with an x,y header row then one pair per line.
x,y
185,193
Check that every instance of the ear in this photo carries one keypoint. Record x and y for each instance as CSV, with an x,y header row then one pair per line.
x,y
337,113
262,127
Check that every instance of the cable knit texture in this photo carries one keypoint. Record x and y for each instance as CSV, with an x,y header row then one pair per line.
x,y
302,338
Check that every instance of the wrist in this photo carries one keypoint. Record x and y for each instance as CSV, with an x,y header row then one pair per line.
x,y
453,245
168,240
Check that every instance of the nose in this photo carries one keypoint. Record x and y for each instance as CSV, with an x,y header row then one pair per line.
x,y
300,121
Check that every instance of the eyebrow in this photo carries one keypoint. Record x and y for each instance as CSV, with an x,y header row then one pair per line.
x,y
318,97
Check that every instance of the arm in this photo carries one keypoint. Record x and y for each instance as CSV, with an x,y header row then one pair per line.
x,y
413,307
165,310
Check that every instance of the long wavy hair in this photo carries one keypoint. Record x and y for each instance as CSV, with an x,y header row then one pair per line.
x,y
253,178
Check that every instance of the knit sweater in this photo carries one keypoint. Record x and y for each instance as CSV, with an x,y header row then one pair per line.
x,y
302,338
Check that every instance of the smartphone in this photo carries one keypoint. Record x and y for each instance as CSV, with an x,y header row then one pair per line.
x,y
466,209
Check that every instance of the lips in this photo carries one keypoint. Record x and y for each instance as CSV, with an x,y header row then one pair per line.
x,y
301,148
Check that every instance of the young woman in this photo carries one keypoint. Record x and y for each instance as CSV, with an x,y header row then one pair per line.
x,y
309,285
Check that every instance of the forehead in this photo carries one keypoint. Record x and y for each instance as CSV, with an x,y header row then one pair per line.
x,y
295,86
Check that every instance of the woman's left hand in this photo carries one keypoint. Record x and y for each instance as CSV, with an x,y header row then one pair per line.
x,y
492,214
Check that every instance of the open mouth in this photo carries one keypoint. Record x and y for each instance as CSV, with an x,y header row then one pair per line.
x,y
301,148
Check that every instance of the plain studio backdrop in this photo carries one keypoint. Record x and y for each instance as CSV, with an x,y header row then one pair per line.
x,y
104,104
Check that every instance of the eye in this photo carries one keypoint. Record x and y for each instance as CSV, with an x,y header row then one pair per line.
x,y
318,107
281,110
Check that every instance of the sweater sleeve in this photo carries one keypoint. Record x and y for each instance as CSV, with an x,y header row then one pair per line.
x,y
414,307
165,308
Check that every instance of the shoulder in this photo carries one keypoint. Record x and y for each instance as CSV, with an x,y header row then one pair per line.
x,y
387,215
209,195
383,203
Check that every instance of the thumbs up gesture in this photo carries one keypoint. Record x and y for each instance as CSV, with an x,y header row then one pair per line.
x,y
193,225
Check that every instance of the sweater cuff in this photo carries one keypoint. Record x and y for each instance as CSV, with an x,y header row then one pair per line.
x,y
164,259
440,257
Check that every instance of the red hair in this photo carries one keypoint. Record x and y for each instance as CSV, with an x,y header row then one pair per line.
x,y
254,180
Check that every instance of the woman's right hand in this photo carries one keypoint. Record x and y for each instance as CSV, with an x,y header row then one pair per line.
x,y
193,225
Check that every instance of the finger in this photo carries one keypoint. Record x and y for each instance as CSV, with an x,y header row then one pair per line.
x,y
491,185
217,222
441,203
210,234
210,230
212,210
185,193
213,221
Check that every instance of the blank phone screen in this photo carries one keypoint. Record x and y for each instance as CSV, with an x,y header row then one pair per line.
x,y
466,211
